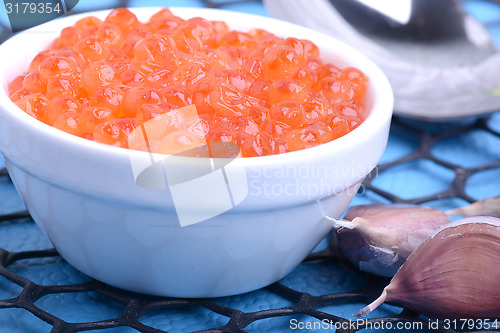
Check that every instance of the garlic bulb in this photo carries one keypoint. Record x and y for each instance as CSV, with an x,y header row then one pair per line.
x,y
378,238
488,207
453,274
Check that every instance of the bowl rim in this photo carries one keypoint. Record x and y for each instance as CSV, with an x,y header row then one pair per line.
x,y
379,115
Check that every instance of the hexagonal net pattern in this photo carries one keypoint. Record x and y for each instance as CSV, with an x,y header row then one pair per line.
x,y
482,132
421,166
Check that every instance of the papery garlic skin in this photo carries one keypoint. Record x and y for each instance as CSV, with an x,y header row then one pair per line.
x,y
486,207
380,237
453,274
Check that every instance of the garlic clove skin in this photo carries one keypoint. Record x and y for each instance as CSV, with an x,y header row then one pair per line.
x,y
380,237
401,227
362,252
488,207
453,274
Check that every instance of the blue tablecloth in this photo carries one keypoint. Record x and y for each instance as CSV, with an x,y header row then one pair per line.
x,y
416,178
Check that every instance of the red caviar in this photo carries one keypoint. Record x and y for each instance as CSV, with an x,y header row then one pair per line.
x,y
269,95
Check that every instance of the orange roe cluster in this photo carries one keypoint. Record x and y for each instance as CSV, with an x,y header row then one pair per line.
x,y
99,80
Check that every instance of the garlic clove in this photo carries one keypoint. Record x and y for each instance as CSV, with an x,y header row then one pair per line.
x,y
453,274
380,237
488,207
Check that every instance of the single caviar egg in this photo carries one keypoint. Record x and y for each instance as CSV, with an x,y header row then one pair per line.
x,y
96,75
33,82
57,106
189,82
16,84
53,66
69,122
92,116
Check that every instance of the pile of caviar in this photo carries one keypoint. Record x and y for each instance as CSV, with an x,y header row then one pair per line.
x,y
99,80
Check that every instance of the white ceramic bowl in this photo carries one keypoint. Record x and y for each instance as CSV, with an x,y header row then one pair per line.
x,y
84,196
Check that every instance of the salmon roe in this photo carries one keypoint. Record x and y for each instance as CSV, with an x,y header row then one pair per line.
x,y
100,80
